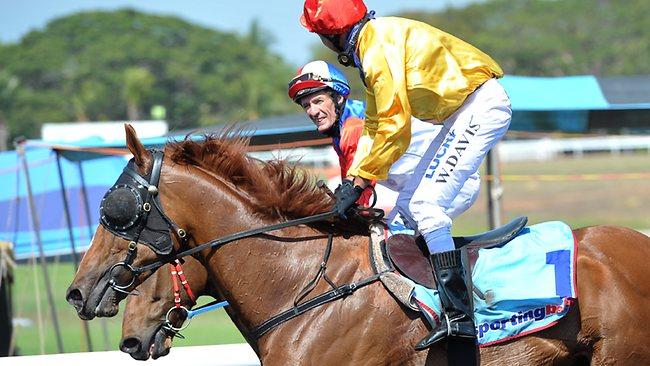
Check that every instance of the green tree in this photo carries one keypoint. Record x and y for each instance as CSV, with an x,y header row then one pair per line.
x,y
8,85
553,38
115,65
138,82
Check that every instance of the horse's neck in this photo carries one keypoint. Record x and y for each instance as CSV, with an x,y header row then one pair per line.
x,y
211,288
262,276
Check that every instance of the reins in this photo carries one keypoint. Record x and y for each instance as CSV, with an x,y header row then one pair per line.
x,y
234,237
337,292
298,308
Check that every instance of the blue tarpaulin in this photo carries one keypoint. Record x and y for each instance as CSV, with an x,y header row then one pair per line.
x,y
574,103
575,93
16,225
101,163
554,94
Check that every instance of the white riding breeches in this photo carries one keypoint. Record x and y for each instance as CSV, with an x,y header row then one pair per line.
x,y
443,179
422,136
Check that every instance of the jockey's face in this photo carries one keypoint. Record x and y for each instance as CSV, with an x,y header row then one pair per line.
x,y
321,109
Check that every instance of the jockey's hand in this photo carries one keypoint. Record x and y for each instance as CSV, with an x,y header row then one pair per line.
x,y
346,195
360,181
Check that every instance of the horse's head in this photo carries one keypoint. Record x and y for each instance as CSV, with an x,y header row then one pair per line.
x,y
145,331
134,231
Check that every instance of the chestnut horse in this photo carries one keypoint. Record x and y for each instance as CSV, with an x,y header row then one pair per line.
x,y
212,189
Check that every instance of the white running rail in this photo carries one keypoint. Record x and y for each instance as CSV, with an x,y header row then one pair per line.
x,y
222,355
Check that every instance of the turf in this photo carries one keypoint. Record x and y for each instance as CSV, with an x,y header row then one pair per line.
x,y
592,190
209,328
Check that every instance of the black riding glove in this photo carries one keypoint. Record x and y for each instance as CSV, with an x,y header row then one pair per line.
x,y
346,195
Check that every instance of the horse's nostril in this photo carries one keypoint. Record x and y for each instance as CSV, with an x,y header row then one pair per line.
x,y
75,298
130,345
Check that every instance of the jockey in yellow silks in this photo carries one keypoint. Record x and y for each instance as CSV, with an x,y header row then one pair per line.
x,y
412,69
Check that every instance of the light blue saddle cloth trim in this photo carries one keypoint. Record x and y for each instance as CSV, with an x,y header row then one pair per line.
x,y
521,287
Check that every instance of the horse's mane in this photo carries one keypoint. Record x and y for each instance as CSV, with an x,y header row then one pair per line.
x,y
277,189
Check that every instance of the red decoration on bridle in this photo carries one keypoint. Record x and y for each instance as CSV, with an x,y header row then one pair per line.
x,y
177,274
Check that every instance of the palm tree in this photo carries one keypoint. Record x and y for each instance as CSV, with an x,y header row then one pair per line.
x,y
138,82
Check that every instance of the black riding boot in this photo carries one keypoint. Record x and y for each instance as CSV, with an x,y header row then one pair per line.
x,y
455,297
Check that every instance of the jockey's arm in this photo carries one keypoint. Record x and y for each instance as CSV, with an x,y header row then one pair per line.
x,y
350,135
387,129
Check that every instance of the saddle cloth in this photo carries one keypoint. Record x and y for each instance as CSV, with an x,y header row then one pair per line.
x,y
521,287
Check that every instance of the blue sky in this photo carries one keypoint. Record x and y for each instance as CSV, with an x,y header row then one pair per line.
x,y
280,17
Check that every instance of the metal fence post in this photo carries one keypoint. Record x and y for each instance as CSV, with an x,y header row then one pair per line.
x,y
494,188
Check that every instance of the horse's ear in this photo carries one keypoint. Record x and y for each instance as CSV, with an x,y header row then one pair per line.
x,y
140,154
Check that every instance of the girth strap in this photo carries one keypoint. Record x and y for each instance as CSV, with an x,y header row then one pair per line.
x,y
335,294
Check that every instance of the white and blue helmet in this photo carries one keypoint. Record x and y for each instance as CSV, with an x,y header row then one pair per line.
x,y
316,76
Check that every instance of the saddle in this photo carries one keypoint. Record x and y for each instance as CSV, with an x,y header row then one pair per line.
x,y
410,256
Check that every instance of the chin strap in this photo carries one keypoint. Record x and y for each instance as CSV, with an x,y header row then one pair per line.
x,y
334,131
348,56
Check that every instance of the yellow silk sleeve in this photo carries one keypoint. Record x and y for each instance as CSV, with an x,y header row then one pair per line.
x,y
387,131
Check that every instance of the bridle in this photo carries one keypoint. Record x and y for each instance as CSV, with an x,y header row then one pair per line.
x,y
138,216
132,210
178,275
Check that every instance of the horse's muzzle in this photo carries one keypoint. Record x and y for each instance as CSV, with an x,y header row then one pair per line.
x,y
99,300
133,346
75,297
158,346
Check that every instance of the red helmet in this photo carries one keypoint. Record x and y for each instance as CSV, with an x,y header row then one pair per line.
x,y
330,17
